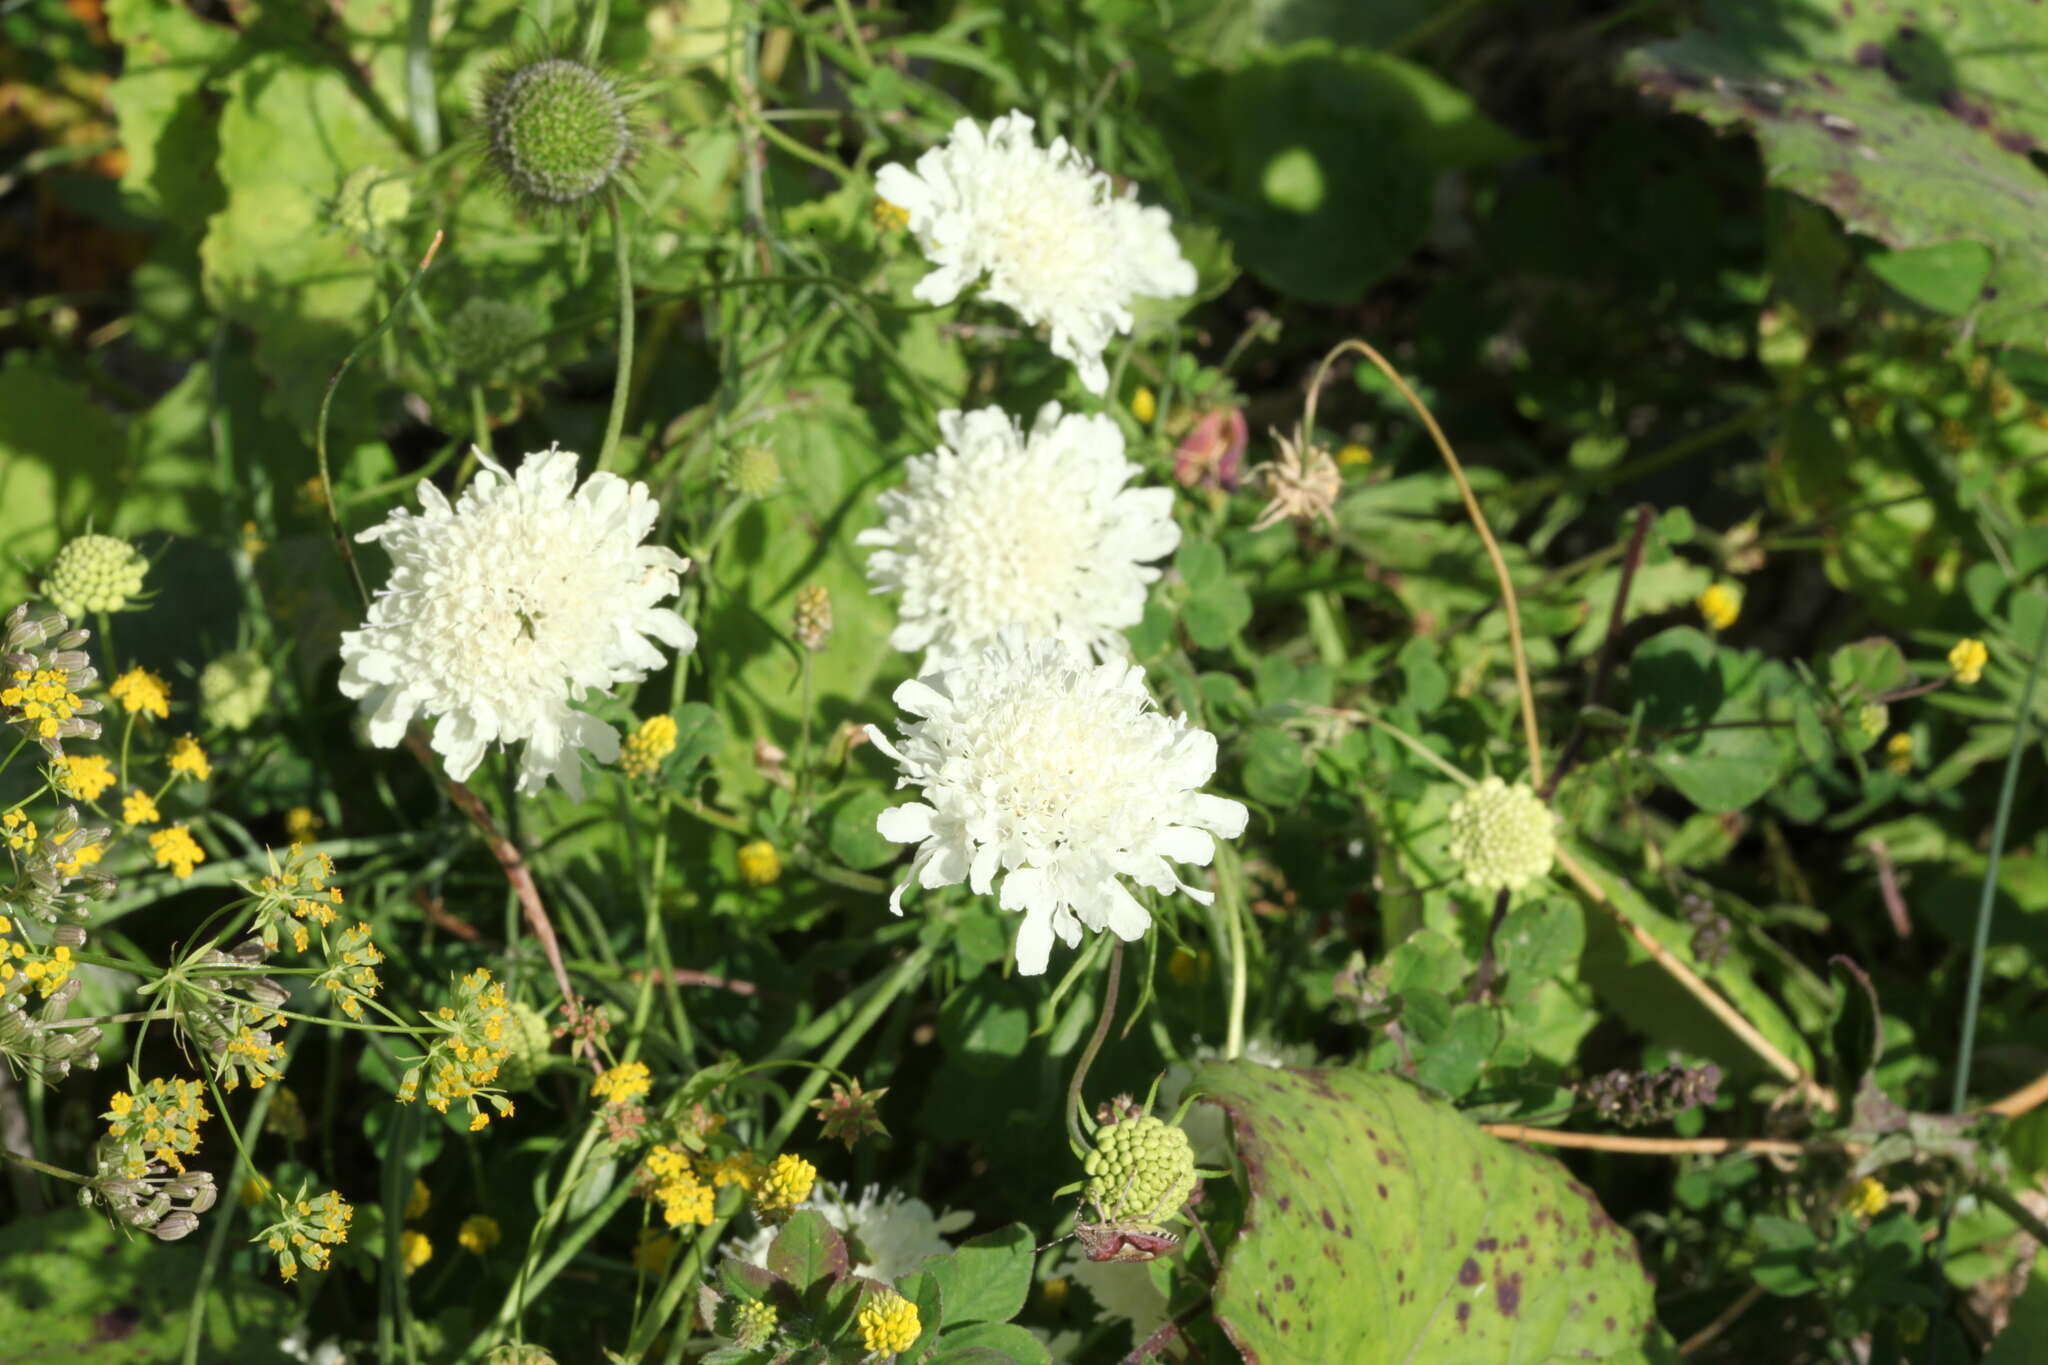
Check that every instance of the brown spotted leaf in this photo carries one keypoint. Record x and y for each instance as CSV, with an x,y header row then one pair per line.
x,y
1914,124
1384,1227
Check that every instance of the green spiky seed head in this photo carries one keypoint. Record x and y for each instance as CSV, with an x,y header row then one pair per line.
x,y
529,1038
1141,1168
1502,837
556,131
754,471
94,573
369,201
747,1323
489,336
233,690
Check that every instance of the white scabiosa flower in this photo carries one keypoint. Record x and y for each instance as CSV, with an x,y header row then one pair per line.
x,y
1052,772
508,606
1055,240
1502,837
995,531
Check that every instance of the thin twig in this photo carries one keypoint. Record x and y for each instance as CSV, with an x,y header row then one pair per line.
x,y
684,976
517,873
1116,971
1631,560
1888,888
2029,1096
1653,1146
1699,1340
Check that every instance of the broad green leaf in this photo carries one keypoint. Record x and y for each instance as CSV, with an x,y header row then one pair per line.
x,y
1720,770
807,1249
1452,1061
851,834
1917,133
1945,276
990,1341
1385,1227
986,1278
1216,614
167,131
60,462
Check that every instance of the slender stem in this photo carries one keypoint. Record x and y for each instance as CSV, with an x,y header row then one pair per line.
x,y
1531,733
45,1168
1651,1146
622,380
341,540
1981,941
195,1324
1631,560
1421,750
1700,1340
1229,886
1087,1060
852,27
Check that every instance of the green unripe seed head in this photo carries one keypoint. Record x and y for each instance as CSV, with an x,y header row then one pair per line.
x,y
233,690
94,573
556,131
369,201
1140,1168
1502,837
489,336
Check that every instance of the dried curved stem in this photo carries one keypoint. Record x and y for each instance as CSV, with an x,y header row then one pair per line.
x,y
1652,1146
1700,1340
2029,1096
1530,732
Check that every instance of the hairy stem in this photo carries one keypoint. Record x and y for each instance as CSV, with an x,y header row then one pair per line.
x,y
622,379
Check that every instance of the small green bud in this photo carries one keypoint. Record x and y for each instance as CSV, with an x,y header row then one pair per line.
x,y
233,690
1502,837
754,471
369,201
747,1323
94,573
555,131
1141,1168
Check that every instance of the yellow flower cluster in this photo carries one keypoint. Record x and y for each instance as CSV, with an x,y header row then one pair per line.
x,y
159,1122
786,1185
1869,1198
1720,605
26,967
351,971
418,1200
464,1063
741,1168
888,1324
139,808
479,1233
141,690
43,697
760,864
176,849
293,896
644,749
18,831
1899,754
84,776
187,757
82,857
308,1232
622,1084
684,1198
1967,660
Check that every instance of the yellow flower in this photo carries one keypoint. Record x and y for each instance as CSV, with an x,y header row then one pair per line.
x,y
684,1198
479,1233
1968,659
1144,404
644,749
414,1250
888,1324
1720,605
787,1184
85,776
188,757
1869,1198
302,824
141,690
622,1084
1899,754
418,1200
81,858
743,1169
139,808
253,543
890,217
18,829
1354,453
176,849
760,864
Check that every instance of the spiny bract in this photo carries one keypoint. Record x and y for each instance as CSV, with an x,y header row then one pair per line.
x,y
555,130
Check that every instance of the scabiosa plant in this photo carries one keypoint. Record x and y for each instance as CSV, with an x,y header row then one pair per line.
x,y
506,607
94,573
997,529
557,132
1056,242
1054,773
1502,837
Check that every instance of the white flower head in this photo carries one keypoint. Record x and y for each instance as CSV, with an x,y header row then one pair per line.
x,y
896,1234
502,610
997,530
1052,771
1057,243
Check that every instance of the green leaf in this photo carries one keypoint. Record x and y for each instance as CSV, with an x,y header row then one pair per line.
x,y
990,1341
1782,1269
1720,770
922,1289
1865,669
59,469
167,131
1855,1026
807,1250
1676,680
1541,941
1385,1227
1275,771
986,1278
851,833
1917,134
1946,277
2025,1337
1452,1062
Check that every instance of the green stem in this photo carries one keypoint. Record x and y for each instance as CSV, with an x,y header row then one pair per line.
x,y
195,1318
1981,941
32,1164
1087,1060
622,380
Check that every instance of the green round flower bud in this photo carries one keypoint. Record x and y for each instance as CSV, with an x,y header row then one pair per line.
x,y
1502,837
529,1039
555,130
369,201
1141,1168
747,1323
233,690
754,471
489,336
94,573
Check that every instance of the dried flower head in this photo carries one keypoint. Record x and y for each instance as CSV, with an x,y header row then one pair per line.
x,y
850,1113
1303,483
